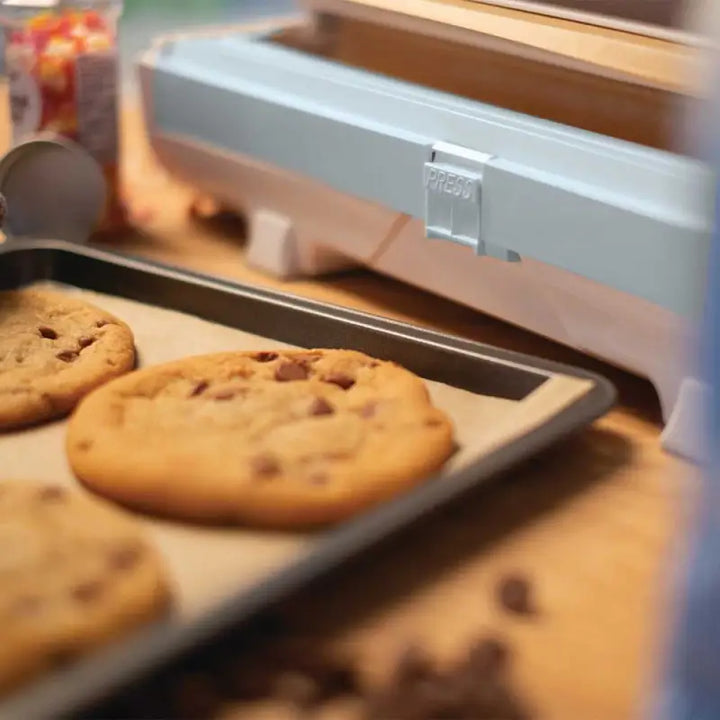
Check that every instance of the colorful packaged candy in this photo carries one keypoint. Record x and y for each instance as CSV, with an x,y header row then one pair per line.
x,y
62,64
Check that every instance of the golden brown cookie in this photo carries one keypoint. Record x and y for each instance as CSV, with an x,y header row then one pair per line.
x,y
75,574
291,438
53,350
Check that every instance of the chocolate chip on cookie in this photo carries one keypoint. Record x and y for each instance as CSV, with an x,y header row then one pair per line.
x,y
265,466
297,422
125,557
53,591
368,410
52,493
199,388
340,379
224,395
320,406
264,357
47,332
291,370
26,606
87,592
33,323
67,356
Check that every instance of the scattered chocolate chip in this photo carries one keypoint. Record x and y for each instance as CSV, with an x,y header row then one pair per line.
x,y
414,664
340,379
196,698
87,592
264,357
514,594
491,698
290,371
52,494
487,656
297,688
369,410
62,657
247,680
199,388
86,341
67,356
321,406
48,333
265,466
341,678
125,558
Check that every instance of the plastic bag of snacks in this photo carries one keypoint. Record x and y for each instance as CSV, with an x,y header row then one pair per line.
x,y
61,59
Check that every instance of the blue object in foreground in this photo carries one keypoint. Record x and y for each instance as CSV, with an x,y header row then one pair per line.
x,y
691,686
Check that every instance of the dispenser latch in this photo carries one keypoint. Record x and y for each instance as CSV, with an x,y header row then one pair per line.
x,y
453,199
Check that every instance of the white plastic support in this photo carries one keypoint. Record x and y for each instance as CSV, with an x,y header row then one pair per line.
x,y
683,434
275,248
271,245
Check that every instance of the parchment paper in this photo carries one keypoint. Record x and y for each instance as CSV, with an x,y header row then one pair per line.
x,y
207,564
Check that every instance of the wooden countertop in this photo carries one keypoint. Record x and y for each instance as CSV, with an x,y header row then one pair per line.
x,y
589,521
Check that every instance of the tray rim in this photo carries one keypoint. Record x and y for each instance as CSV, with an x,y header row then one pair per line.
x,y
100,674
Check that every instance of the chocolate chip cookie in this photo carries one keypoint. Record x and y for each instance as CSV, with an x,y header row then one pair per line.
x,y
287,439
74,575
53,350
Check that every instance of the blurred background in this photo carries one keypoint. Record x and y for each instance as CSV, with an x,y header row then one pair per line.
x,y
144,19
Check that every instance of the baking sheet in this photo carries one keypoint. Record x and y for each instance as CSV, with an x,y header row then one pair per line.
x,y
207,564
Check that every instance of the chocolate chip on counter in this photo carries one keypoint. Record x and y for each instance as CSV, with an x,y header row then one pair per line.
x,y
265,466
48,333
487,657
298,688
342,380
414,664
247,680
87,592
67,356
264,357
62,657
125,557
86,341
492,699
514,594
320,406
289,371
196,698
199,388
52,493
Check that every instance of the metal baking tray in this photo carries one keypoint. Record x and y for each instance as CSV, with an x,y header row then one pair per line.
x,y
469,366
